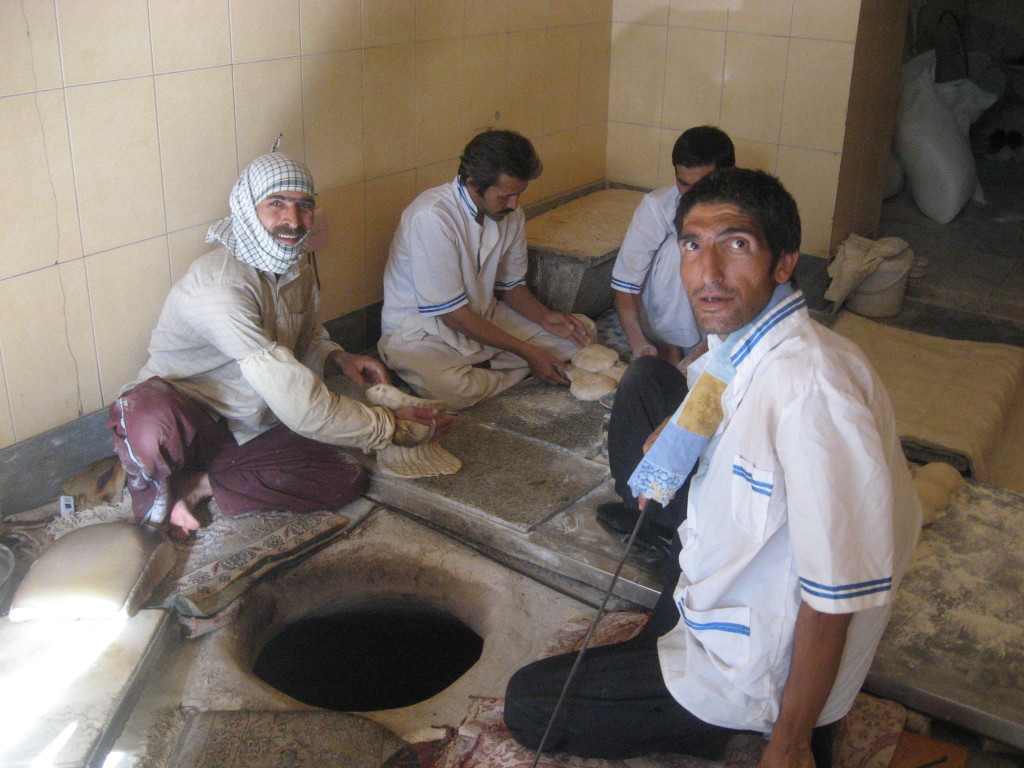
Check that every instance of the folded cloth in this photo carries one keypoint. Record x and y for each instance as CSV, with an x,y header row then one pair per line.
x,y
856,258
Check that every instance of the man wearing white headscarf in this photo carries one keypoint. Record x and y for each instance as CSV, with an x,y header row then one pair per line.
x,y
232,403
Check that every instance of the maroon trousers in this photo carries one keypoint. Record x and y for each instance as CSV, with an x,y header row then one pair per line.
x,y
159,432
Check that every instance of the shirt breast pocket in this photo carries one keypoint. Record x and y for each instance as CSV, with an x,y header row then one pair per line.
x,y
751,493
724,635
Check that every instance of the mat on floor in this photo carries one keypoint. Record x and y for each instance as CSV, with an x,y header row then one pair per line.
x,y
867,737
952,398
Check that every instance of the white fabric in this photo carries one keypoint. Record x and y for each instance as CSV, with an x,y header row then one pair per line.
x,y
802,494
223,312
648,264
856,258
441,259
242,232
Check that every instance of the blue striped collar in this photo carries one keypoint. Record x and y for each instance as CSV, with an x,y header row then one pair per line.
x,y
463,194
765,326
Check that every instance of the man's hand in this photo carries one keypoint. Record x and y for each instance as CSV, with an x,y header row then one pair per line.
x,y
545,365
362,369
797,756
645,350
442,421
567,326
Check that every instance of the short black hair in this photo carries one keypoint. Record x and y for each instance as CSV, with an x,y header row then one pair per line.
x,y
494,152
704,145
759,195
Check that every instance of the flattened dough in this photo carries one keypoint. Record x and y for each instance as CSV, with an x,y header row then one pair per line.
x,y
587,385
424,460
595,358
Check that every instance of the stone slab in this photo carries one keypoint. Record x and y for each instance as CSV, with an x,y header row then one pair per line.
x,y
68,686
545,412
505,478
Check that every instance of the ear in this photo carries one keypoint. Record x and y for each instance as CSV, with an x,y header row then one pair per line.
x,y
784,267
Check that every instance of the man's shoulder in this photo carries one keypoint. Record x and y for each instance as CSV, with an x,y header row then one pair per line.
x,y
439,200
218,272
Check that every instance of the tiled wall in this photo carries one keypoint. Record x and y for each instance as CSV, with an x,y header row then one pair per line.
x,y
774,74
125,122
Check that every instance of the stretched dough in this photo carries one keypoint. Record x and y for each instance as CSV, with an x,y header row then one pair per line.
x,y
587,385
424,460
595,358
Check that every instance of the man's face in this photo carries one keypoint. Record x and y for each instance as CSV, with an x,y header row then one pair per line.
x,y
499,199
726,267
687,177
286,215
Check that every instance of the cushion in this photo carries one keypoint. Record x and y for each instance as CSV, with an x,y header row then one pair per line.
x,y
99,571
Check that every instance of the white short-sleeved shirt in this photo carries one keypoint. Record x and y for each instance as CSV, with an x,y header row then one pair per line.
x,y
648,264
441,259
803,494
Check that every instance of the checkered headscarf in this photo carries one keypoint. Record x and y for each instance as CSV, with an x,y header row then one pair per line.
x,y
242,232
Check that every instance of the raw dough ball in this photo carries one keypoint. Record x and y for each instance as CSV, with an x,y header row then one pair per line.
x,y
938,484
587,385
595,358
943,474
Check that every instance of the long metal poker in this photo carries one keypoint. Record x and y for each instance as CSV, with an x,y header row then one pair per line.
x,y
589,636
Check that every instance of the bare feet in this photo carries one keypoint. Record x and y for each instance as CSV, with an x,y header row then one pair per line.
x,y
190,489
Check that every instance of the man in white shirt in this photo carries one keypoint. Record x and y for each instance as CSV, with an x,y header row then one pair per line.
x,y
801,519
232,403
444,330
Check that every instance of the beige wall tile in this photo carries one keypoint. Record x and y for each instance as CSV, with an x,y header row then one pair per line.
x,y
259,120
527,14
595,72
434,175
561,78
817,90
755,76
389,110
187,245
638,72
123,327
188,34
558,153
666,171
591,143
49,389
565,12
330,25
388,22
764,17
483,60
341,264
524,82
198,165
699,14
640,11
826,19
103,40
812,178
28,38
440,94
116,153
760,155
439,19
386,198
486,17
332,99
634,153
6,425
693,77
261,30
37,178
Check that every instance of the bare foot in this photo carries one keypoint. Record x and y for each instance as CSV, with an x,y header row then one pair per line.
x,y
190,489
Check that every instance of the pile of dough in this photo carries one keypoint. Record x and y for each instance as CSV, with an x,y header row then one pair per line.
x,y
426,459
595,372
938,484
595,358
589,386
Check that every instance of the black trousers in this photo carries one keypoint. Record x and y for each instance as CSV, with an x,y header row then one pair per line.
x,y
650,391
618,706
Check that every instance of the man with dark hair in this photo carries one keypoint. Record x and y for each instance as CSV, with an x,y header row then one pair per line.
x,y
659,325
231,403
444,331
801,519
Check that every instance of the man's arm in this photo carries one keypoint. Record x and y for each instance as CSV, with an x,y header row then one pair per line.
x,y
561,324
362,369
543,364
818,643
628,307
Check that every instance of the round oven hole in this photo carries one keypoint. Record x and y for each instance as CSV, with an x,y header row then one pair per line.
x,y
369,657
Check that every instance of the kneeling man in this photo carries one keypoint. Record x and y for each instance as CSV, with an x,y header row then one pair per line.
x,y
801,519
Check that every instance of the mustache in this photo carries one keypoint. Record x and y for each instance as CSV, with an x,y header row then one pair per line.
x,y
714,288
283,230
